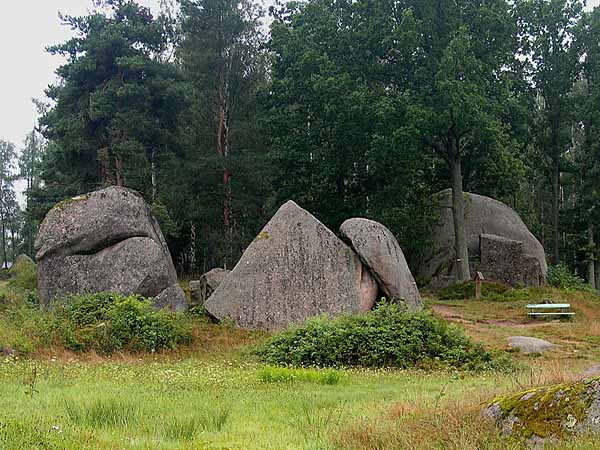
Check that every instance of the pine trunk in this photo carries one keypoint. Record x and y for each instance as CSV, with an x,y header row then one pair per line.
x,y
591,264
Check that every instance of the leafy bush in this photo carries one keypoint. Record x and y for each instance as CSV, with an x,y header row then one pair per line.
x,y
467,290
384,337
108,322
24,275
561,277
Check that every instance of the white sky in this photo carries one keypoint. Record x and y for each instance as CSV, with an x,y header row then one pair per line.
x,y
26,28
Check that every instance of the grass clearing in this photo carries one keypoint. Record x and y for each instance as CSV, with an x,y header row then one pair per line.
x,y
214,394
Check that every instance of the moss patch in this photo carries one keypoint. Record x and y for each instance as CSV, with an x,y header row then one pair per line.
x,y
262,235
550,411
69,201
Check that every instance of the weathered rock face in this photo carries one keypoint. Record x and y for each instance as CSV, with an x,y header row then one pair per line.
x,y
379,250
22,263
296,268
549,413
529,344
483,216
107,240
505,260
203,288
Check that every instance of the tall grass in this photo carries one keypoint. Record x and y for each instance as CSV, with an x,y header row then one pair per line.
x,y
103,413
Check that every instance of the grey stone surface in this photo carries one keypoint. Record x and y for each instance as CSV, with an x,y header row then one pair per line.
x,y
529,344
504,260
379,250
545,414
296,268
107,240
202,289
483,216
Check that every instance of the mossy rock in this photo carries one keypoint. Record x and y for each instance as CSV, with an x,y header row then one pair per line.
x,y
548,413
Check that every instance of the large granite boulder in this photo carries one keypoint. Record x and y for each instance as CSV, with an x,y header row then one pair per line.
x,y
490,227
544,415
202,289
107,240
296,268
379,250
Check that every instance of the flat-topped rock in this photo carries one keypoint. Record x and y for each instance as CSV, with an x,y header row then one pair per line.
x,y
296,268
202,289
380,252
529,344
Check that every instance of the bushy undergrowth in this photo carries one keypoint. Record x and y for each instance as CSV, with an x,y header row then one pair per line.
x,y
24,276
103,322
384,337
109,322
561,277
467,290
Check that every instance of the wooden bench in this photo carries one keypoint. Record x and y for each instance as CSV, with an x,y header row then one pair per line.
x,y
550,309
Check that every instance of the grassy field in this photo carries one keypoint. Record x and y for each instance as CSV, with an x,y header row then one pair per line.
x,y
214,395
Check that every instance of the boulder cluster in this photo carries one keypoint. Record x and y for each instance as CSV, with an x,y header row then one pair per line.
x,y
297,268
294,269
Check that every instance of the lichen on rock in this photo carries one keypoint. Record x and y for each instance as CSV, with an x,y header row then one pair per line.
x,y
549,413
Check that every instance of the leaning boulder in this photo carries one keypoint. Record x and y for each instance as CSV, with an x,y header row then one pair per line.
x,y
495,234
545,414
296,268
105,241
380,252
203,288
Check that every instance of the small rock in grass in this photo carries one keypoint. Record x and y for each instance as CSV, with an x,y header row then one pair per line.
x,y
529,344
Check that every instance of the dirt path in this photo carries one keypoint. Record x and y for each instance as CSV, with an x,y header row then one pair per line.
x,y
452,315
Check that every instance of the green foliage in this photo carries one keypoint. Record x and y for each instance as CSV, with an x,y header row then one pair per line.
x,y
24,276
287,375
384,337
467,290
108,322
561,277
103,322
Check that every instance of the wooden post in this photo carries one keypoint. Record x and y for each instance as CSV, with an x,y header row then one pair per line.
x,y
478,279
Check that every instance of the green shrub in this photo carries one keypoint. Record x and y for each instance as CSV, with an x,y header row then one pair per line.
x,y
561,277
466,290
108,322
384,337
24,275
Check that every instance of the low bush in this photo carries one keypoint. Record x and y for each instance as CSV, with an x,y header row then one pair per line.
x,y
107,322
384,337
24,275
561,277
104,322
466,290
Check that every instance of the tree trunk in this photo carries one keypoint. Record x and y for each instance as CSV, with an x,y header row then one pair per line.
x,y
463,272
153,174
591,264
2,220
555,193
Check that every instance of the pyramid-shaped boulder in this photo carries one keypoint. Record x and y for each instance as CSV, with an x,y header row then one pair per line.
x,y
296,268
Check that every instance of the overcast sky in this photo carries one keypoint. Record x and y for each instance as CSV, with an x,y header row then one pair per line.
x,y
26,28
